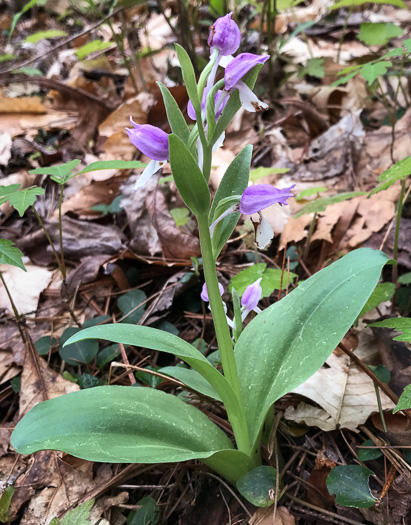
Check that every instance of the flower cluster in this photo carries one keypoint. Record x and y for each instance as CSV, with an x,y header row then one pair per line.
x,y
224,40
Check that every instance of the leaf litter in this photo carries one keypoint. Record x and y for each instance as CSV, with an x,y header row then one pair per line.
x,y
78,109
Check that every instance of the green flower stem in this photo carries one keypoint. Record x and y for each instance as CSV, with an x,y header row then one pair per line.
x,y
225,344
206,71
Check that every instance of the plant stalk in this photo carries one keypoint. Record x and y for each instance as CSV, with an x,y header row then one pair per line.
x,y
62,261
397,233
46,233
225,344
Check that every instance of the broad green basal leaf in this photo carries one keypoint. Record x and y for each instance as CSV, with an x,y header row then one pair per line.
x,y
120,425
146,337
289,341
192,379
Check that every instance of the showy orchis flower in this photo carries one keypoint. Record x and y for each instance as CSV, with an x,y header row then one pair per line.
x,y
235,70
152,142
261,196
204,293
257,198
224,35
250,299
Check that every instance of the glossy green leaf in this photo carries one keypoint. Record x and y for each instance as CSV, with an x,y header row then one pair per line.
x,y
175,118
321,204
404,403
289,341
271,279
405,278
147,514
129,303
399,171
383,292
381,372
108,354
188,177
234,182
153,339
77,353
350,484
258,486
42,35
113,165
378,34
10,254
120,425
399,324
60,173
45,344
192,379
188,76
5,501
19,199
371,71
367,454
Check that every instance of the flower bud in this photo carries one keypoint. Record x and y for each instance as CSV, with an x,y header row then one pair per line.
x,y
204,293
252,296
150,140
225,35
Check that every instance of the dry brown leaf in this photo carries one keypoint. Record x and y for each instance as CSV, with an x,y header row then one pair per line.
x,y
91,195
175,243
119,119
265,516
32,391
294,231
21,105
345,394
25,287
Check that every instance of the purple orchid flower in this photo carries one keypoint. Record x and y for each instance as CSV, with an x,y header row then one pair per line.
x,y
235,70
204,293
250,299
224,36
152,142
257,198
261,196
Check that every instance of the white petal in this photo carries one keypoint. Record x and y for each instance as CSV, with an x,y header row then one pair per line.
x,y
249,100
263,233
219,142
232,209
225,60
152,167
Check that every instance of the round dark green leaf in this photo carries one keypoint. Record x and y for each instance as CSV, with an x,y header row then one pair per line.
x,y
77,353
350,485
367,454
258,486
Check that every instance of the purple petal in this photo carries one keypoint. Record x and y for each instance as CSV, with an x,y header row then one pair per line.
x,y
190,108
204,293
150,140
239,67
252,295
225,35
256,198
